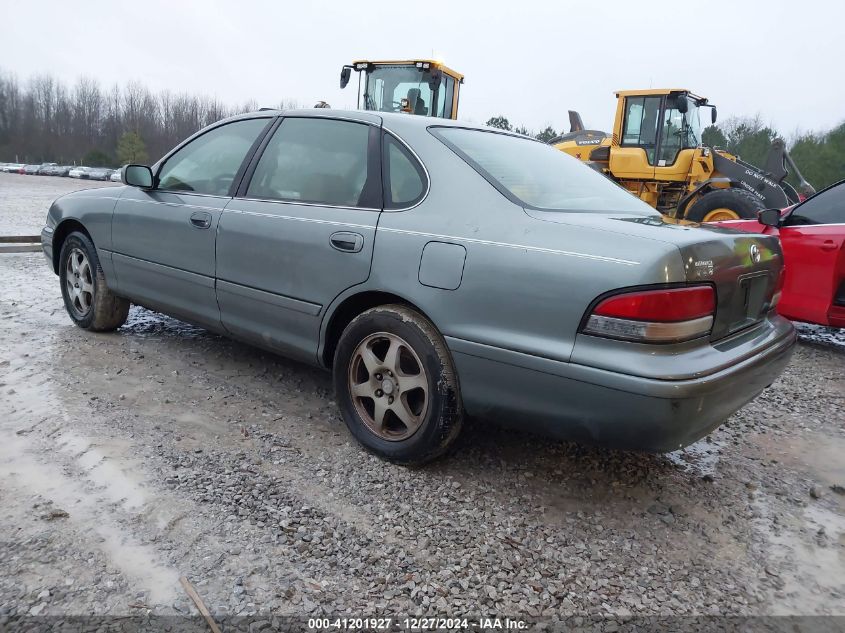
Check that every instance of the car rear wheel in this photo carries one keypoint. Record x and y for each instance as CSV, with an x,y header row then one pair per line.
x,y
88,301
396,385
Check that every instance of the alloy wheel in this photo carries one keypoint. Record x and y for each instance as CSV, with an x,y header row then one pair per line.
x,y
389,386
79,282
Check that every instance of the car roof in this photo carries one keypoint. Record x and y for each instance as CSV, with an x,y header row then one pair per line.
x,y
390,119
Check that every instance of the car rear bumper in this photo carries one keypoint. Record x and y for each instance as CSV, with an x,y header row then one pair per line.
x,y
586,404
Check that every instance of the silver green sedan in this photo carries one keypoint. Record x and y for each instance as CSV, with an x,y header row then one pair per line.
x,y
439,270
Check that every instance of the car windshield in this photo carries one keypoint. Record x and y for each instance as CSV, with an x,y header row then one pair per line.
x,y
537,175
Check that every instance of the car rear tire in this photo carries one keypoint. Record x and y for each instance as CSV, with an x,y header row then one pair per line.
x,y
88,300
725,204
396,385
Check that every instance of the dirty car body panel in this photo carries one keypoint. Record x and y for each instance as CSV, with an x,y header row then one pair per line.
x,y
510,285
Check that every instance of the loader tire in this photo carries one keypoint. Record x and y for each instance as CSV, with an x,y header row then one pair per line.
x,y
725,204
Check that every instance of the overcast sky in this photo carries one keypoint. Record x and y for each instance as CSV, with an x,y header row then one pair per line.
x,y
531,61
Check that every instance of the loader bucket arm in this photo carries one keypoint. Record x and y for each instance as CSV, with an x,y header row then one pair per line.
x,y
772,192
779,163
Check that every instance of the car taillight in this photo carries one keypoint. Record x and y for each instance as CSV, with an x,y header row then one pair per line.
x,y
668,315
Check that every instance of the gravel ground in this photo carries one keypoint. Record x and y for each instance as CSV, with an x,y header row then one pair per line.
x,y
130,459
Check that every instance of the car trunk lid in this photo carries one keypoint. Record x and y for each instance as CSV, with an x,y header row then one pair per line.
x,y
743,267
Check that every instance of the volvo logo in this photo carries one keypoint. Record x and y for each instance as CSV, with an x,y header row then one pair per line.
x,y
755,254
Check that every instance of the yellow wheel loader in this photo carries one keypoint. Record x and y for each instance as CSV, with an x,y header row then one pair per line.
x,y
655,152
424,87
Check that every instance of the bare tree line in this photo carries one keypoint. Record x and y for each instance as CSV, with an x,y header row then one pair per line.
x,y
43,119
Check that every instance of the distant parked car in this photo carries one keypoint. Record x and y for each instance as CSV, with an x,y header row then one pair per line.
x,y
31,170
79,172
115,175
99,173
43,168
13,168
55,170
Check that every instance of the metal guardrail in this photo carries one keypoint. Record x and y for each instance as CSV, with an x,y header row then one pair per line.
x,y
20,243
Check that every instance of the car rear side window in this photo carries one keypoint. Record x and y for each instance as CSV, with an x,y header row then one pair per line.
x,y
208,164
826,207
317,161
404,178
536,175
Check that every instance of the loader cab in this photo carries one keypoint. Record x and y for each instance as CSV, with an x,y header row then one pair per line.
x,y
656,133
423,87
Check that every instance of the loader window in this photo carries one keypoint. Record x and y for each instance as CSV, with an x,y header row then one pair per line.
x,y
386,86
640,128
680,131
445,94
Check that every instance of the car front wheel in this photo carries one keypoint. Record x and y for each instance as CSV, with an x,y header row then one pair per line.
x,y
88,301
396,385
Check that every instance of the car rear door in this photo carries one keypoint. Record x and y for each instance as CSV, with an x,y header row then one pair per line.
x,y
813,240
300,231
164,238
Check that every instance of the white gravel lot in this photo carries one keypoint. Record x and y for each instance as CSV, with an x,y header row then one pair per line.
x,y
24,200
130,459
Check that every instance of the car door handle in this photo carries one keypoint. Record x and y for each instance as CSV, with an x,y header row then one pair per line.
x,y
201,219
347,242
828,245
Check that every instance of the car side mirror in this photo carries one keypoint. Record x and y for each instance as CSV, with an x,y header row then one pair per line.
x,y
345,74
769,217
137,176
713,115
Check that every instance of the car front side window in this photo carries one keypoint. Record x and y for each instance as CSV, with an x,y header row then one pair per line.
x,y
208,164
316,161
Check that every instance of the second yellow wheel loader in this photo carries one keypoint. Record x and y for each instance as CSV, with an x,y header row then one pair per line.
x,y
656,153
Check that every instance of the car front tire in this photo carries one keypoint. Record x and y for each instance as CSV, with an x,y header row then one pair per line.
x,y
88,300
396,385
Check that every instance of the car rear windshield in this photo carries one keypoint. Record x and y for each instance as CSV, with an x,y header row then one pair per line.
x,y
536,175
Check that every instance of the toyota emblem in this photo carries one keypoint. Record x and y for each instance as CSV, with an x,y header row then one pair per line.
x,y
755,254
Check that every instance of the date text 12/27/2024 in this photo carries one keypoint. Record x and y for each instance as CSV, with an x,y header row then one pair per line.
x,y
417,624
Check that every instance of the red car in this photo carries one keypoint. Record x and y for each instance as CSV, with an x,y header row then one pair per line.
x,y
812,234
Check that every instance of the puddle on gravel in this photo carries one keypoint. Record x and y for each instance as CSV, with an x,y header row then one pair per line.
x,y
807,544
34,439
104,471
811,565
19,468
821,456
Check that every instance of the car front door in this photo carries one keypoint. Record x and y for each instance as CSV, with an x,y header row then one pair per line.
x,y
299,232
164,238
813,240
